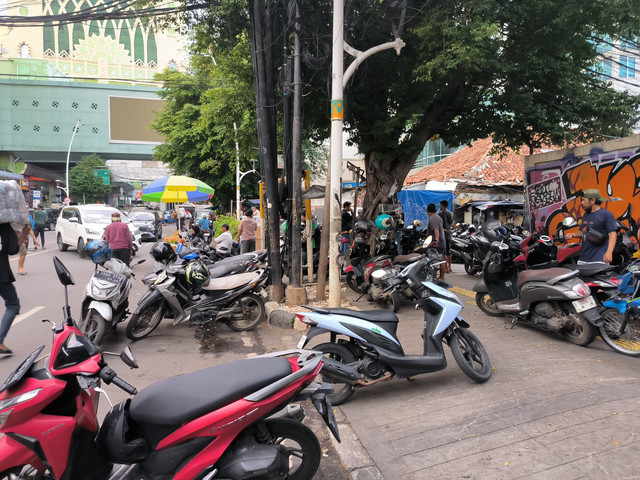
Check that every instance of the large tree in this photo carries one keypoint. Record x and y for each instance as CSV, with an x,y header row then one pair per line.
x,y
84,184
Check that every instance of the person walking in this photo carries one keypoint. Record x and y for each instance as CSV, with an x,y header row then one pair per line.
x,y
447,221
9,245
23,236
434,228
40,223
247,232
118,236
598,230
347,222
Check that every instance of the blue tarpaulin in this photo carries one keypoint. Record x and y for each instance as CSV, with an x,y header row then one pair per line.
x,y
414,203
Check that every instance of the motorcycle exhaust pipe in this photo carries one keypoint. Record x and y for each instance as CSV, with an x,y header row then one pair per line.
x,y
339,372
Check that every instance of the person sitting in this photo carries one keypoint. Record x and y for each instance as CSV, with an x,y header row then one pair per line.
x,y
224,241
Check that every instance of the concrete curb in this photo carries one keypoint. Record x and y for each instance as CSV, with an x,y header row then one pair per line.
x,y
353,456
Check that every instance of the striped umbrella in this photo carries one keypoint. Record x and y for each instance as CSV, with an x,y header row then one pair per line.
x,y
177,188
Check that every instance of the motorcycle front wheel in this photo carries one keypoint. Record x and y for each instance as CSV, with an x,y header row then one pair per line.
x,y
299,443
341,391
470,355
395,300
142,324
247,313
93,326
580,333
469,269
487,305
625,341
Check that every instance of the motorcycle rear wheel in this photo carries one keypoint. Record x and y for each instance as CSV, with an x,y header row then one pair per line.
x,y
470,355
627,342
341,391
582,333
301,444
352,283
250,313
395,299
93,326
141,325
487,305
26,472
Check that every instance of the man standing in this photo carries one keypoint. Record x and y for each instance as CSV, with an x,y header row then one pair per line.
x,y
118,236
247,232
434,228
40,222
447,220
347,222
598,230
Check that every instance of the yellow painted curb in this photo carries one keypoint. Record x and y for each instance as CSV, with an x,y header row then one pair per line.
x,y
463,291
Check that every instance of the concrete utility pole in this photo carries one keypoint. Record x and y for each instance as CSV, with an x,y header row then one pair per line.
x,y
339,79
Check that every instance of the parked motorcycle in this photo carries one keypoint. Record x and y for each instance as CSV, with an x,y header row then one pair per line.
x,y
460,241
361,263
367,340
553,299
214,423
106,296
190,293
621,328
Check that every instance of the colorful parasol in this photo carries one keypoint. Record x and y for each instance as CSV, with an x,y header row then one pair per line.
x,y
177,188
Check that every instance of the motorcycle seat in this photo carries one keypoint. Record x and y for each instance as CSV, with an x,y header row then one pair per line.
x,y
229,282
591,269
180,399
383,318
217,270
409,258
541,275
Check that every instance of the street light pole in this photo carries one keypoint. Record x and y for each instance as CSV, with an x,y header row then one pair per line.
x,y
75,129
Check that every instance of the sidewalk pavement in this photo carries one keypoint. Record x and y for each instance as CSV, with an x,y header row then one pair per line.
x,y
551,410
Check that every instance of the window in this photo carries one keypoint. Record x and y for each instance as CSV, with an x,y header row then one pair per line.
x,y
603,70
627,66
25,51
173,65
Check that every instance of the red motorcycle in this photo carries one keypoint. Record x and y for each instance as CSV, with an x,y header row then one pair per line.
x,y
214,423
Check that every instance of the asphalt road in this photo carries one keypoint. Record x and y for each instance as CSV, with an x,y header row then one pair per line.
x,y
167,352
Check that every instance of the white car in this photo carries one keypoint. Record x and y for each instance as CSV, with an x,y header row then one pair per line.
x,y
78,225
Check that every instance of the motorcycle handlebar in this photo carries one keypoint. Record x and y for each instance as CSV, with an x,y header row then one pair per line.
x,y
108,375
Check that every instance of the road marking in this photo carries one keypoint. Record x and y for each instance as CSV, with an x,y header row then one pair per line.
x,y
24,316
463,291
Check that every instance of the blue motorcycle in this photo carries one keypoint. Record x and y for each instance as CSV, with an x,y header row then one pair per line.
x,y
621,327
367,340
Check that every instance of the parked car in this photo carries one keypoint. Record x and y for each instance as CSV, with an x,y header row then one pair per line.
x,y
149,223
78,225
52,217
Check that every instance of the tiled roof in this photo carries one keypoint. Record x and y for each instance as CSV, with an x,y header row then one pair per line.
x,y
475,164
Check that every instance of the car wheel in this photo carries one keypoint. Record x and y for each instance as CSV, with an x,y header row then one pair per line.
x,y
81,248
61,245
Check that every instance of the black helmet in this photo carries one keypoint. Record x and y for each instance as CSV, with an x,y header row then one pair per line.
x,y
197,273
363,226
490,229
163,252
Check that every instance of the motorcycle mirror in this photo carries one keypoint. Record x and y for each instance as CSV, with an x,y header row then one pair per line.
x,y
127,357
64,275
569,222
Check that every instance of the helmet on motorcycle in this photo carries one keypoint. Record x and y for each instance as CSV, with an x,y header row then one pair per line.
x,y
384,222
490,230
163,252
363,226
417,224
197,273
100,251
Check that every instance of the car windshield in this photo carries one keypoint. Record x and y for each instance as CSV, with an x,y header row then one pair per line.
x,y
97,216
144,216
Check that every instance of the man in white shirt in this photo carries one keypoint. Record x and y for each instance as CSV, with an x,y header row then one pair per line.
x,y
224,241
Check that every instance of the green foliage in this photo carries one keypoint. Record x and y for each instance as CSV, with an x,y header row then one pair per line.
x,y
233,223
83,182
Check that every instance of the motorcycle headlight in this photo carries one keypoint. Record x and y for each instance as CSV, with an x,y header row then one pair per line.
x,y
13,401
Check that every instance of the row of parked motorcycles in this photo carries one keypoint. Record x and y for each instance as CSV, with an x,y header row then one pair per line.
x,y
192,283
536,279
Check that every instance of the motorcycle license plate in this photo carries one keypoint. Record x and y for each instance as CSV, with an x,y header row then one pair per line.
x,y
584,304
264,293
161,278
302,341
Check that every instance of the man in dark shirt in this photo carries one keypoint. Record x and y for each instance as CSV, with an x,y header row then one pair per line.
x,y
600,220
434,228
9,245
347,222
447,220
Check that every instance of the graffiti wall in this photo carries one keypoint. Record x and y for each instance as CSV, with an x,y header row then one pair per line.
x,y
553,188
